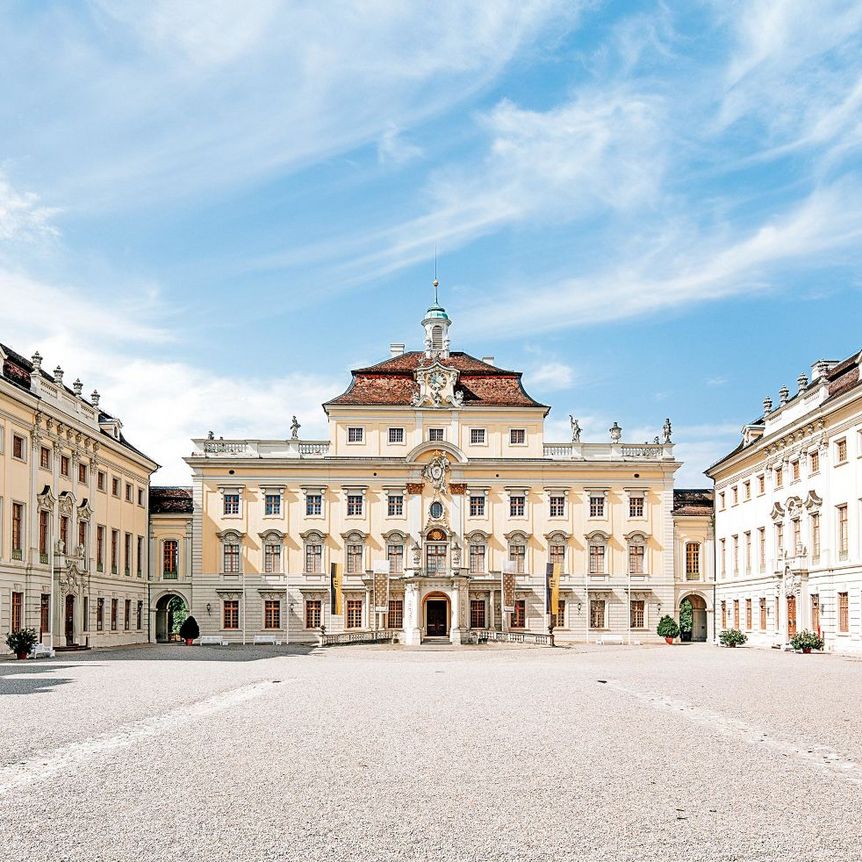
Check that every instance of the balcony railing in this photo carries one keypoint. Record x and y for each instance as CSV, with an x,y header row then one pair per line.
x,y
357,637
262,448
609,451
489,635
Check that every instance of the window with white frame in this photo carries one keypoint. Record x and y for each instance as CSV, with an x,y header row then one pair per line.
x,y
355,434
692,561
313,503
354,552
517,505
477,550
557,505
598,553
477,436
272,545
636,611
353,616
843,534
517,436
477,505
231,553
637,555
435,435
557,552
231,502
272,503
814,461
396,435
313,553
841,450
395,555
518,554
597,505
598,613
395,504
636,506
354,504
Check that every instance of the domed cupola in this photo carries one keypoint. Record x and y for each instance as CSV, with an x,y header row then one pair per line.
x,y
436,325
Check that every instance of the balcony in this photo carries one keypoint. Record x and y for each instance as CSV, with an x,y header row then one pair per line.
x,y
261,449
609,451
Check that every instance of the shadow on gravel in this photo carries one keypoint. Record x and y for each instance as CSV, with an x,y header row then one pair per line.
x,y
181,652
24,678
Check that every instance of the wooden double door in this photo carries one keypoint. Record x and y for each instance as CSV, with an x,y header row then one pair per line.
x,y
437,618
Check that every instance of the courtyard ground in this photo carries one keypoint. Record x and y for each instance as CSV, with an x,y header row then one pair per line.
x,y
478,753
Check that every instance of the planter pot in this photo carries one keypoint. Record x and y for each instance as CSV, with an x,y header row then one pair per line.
x,y
806,649
23,655
189,641
732,646
668,640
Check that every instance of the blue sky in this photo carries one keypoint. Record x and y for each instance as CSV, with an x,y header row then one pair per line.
x,y
211,211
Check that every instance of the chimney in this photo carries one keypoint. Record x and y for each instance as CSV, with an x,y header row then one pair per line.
x,y
488,360
396,349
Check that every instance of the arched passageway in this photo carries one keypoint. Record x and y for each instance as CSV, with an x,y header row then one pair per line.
x,y
692,618
171,610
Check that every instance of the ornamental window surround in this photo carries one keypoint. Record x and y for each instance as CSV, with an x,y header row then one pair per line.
x,y
313,552
477,552
477,503
517,552
394,502
272,500
557,498
814,461
637,553
273,543
355,502
598,503
597,549
231,542
314,502
841,451
396,436
231,500
517,502
356,434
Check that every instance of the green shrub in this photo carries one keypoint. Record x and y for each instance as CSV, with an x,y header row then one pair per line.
x,y
732,637
21,641
190,630
667,627
806,640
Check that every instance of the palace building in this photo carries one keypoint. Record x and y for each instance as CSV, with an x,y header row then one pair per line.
x,y
73,513
435,488
788,514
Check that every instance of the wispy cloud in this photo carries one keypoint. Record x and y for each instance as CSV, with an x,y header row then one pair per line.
x,y
395,148
551,376
22,216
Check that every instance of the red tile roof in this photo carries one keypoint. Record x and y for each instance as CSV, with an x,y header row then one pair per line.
x,y
392,382
168,500
693,501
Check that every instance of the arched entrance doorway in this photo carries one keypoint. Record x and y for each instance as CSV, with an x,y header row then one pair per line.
x,y
171,610
692,618
436,615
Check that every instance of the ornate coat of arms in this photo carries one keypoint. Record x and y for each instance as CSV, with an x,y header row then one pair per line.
x,y
435,472
437,387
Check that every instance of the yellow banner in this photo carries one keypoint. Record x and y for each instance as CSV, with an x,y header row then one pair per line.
x,y
554,573
336,584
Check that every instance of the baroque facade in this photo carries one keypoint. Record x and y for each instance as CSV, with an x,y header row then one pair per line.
x,y
788,514
436,480
73,513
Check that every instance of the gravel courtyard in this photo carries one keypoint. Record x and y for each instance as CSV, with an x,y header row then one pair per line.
x,y
481,753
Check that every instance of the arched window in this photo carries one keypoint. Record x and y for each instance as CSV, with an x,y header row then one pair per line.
x,y
637,554
518,553
170,558
313,552
231,553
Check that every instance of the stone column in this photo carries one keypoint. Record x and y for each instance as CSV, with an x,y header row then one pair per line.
x,y
455,604
412,633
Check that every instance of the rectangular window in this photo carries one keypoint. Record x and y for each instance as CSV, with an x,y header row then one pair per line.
x,y
519,615
100,548
64,533
355,435
721,545
692,561
597,613
560,618
637,613
597,559
435,435
636,559
82,537
17,447
748,623
557,506
517,504
140,616
140,496
815,613
312,613
17,531
45,458
477,613
477,506
127,553
129,492
114,608
477,436
517,436
724,615
843,613
395,505
597,505
840,451
736,613
17,611
518,556
843,543
636,507
779,477
313,504
794,469
272,614
231,558
314,559
735,540
354,504
761,547
45,614
43,536
64,465
557,555
353,619
734,493
354,559
396,435
127,615
779,540
170,558
797,535
230,614
272,557
231,504
763,614
815,537
100,614
477,558
101,478
395,617
761,484
746,487
272,504
721,500
139,562
435,558
395,555
115,486
748,552
115,551
814,462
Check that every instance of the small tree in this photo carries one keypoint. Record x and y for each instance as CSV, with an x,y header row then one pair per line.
x,y
667,627
21,641
732,637
190,630
806,641
686,616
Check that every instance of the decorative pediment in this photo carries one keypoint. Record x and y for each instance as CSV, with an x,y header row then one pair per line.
x,y
477,536
46,498
312,536
777,513
793,503
394,536
229,595
272,535
85,510
597,535
354,537
558,537
271,595
636,536
226,535
813,502
67,502
437,387
518,537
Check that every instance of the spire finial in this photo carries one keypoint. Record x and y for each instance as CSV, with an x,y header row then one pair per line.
x,y
436,283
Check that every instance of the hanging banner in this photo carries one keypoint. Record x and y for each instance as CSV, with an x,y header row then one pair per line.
x,y
335,590
553,571
381,586
508,585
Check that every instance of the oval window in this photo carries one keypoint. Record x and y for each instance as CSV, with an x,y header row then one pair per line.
x,y
436,510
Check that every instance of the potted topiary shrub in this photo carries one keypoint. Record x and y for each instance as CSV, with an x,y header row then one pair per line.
x,y
732,638
806,641
190,630
667,628
21,642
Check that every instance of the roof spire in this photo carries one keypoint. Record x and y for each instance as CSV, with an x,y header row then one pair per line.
x,y
436,283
